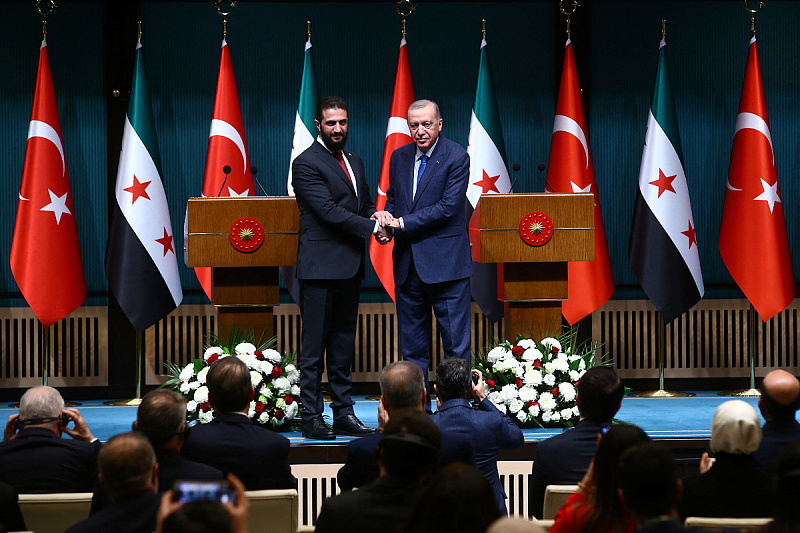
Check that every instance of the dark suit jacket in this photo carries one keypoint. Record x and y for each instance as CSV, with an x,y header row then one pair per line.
x,y
132,514
735,487
435,225
39,461
775,436
333,222
562,460
233,443
490,431
361,466
376,508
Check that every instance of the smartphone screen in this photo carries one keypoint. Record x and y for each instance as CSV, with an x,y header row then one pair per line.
x,y
185,491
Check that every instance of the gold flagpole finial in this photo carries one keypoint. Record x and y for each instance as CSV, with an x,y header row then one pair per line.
x,y
224,15
753,11
484,29
575,5
45,7
663,29
405,8
140,30
308,28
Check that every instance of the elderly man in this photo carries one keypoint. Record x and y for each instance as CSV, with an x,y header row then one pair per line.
x,y
33,456
780,399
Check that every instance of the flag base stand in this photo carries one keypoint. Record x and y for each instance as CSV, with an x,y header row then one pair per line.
x,y
661,340
134,402
661,393
752,392
44,349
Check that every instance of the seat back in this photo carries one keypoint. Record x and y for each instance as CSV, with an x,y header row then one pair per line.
x,y
53,513
554,498
273,511
745,525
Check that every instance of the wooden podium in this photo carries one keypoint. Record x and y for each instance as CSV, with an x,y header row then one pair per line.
x,y
534,277
245,283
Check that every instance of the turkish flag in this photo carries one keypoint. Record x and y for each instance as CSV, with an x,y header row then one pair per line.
x,y
571,170
397,134
45,252
752,237
227,146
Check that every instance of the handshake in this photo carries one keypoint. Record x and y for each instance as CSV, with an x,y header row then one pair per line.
x,y
387,225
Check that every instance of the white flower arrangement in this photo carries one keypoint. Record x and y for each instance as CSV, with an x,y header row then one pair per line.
x,y
535,382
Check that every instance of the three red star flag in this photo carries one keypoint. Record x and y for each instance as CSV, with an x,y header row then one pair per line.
x,y
397,134
45,252
752,237
571,170
663,247
141,264
226,146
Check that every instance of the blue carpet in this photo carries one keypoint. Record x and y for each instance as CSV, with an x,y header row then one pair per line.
x,y
659,417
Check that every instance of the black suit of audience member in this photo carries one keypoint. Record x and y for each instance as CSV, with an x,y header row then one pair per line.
x,y
407,457
780,399
33,456
564,458
127,469
232,442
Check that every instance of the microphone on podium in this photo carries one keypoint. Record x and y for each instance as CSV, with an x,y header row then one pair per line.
x,y
254,171
515,167
227,170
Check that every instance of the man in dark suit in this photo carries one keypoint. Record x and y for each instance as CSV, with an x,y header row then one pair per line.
x,y
33,456
129,473
564,458
232,442
432,262
780,399
407,457
335,209
489,429
402,387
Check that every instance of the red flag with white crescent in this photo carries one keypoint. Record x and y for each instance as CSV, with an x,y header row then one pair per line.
x,y
227,146
571,170
397,134
753,241
45,251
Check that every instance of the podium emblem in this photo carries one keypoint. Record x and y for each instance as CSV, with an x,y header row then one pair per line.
x,y
246,235
536,228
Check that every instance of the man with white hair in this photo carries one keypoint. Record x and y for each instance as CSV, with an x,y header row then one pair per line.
x,y
33,456
733,486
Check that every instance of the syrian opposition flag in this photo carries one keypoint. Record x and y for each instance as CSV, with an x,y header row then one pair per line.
x,y
752,238
663,247
141,264
572,170
226,146
397,134
45,252
305,131
488,173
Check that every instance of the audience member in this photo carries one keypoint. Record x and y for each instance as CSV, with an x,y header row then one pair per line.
x,y
734,486
780,399
649,489
10,514
33,456
407,456
595,507
161,418
205,516
564,458
459,499
786,513
402,387
232,442
129,473
507,524
489,429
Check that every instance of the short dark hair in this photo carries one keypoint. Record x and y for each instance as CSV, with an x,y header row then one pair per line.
x,y
229,384
778,410
330,102
402,384
648,477
600,392
161,415
410,444
126,463
199,517
453,379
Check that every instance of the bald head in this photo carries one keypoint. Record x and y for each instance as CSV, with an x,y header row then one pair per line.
x,y
780,395
403,386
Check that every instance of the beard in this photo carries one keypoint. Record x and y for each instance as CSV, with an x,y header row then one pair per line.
x,y
333,146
